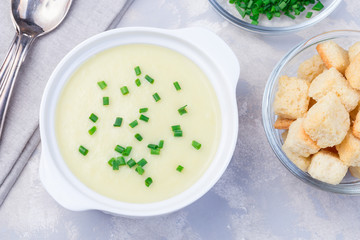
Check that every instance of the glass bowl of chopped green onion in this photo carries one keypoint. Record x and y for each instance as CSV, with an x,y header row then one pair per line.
x,y
274,16
289,65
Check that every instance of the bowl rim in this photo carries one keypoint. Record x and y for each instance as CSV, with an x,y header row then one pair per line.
x,y
273,30
100,202
342,188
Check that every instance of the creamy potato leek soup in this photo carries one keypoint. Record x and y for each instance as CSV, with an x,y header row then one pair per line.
x,y
138,123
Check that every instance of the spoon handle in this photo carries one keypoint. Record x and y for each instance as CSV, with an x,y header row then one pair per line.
x,y
10,69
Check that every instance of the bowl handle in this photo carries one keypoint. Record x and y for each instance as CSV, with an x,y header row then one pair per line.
x,y
218,51
52,180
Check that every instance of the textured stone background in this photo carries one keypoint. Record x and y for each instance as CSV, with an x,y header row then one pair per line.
x,y
257,198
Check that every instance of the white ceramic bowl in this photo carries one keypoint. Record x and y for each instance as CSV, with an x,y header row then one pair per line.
x,y
204,48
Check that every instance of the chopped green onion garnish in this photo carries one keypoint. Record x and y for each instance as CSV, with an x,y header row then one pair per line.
x,y
138,82
144,118
309,14
156,97
155,151
148,181
149,79
115,164
106,101
176,127
131,163
178,133
93,117
127,151
124,90
177,86
83,150
121,161
142,162
137,71
138,137
139,170
143,110
196,145
133,124
102,85
118,122
161,144
152,146
182,110
179,168
119,149
318,6
110,162
92,130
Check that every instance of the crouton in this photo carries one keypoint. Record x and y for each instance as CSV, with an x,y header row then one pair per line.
x,y
355,171
291,100
327,167
311,68
352,73
327,122
299,161
283,123
353,51
333,55
298,141
354,112
349,150
356,126
333,81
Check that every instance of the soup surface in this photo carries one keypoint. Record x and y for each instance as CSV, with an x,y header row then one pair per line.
x,y
82,97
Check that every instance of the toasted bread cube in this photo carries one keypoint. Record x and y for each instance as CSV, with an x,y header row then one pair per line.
x,y
301,162
352,73
355,171
327,167
298,141
283,123
291,100
311,68
333,81
356,126
354,50
333,55
327,122
349,150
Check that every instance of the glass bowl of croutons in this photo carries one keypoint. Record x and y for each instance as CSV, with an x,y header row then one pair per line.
x,y
311,114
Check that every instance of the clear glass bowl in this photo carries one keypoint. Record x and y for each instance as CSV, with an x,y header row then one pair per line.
x,y
279,25
288,66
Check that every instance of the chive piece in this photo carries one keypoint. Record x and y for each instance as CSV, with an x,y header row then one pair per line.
x,y
119,149
92,130
309,14
124,90
83,150
133,124
93,117
318,6
177,86
143,110
131,163
155,151
148,181
176,127
121,161
149,79
138,137
110,162
139,170
179,168
161,144
106,101
178,133
142,162
138,82
137,70
144,118
102,85
182,110
156,97
118,122
196,145
127,151
116,164
152,146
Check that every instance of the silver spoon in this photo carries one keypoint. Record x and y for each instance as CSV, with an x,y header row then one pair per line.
x,y
32,19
